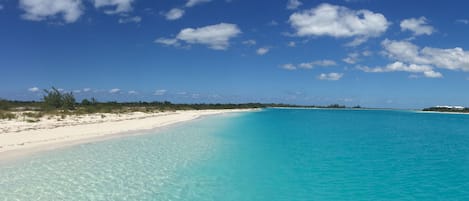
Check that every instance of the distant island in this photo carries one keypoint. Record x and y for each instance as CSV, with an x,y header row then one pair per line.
x,y
447,108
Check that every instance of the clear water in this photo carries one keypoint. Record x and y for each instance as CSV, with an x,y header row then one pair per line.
x,y
275,154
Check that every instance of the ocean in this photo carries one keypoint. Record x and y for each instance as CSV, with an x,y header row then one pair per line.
x,y
267,155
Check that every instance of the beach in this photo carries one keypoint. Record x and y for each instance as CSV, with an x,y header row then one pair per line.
x,y
51,131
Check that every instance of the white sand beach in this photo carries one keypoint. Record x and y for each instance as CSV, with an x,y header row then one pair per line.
x,y
18,135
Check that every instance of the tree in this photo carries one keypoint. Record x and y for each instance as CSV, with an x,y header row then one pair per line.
x,y
68,101
53,98
85,102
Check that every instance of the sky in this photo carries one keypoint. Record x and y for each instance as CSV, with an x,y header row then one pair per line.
x,y
373,53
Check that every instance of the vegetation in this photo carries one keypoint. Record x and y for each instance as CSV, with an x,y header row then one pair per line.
x,y
444,109
7,115
61,104
55,99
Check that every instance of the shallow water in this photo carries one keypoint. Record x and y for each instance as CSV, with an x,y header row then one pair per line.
x,y
274,154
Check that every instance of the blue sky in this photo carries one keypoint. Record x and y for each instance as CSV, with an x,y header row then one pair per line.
x,y
401,54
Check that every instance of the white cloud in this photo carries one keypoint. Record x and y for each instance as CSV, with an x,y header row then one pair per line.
x,y
330,76
121,6
367,53
289,67
132,92
135,19
216,36
339,22
249,42
86,89
1,7
77,91
432,74
39,10
462,21
451,59
402,67
160,92
351,58
293,4
191,3
322,63
33,89
196,96
417,26
115,90
174,14
262,50
398,66
354,57
291,44
168,41
411,58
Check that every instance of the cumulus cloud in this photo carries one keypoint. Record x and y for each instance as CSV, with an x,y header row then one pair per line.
x,y
33,89
160,92
291,44
262,50
249,42
402,67
216,36
86,89
174,14
288,67
309,65
411,58
191,3
330,76
312,64
432,74
339,22
351,58
120,6
135,19
354,57
168,41
293,4
39,10
418,26
451,59
115,90
132,92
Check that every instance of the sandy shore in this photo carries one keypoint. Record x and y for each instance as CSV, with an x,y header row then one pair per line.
x,y
17,135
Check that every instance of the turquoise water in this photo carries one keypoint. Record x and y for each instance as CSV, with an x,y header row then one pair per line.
x,y
274,154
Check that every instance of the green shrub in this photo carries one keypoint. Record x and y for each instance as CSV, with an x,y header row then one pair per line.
x,y
68,101
85,102
55,99
7,115
33,114
32,120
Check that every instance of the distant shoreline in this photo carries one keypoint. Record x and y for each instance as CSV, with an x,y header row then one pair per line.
x,y
441,112
384,109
